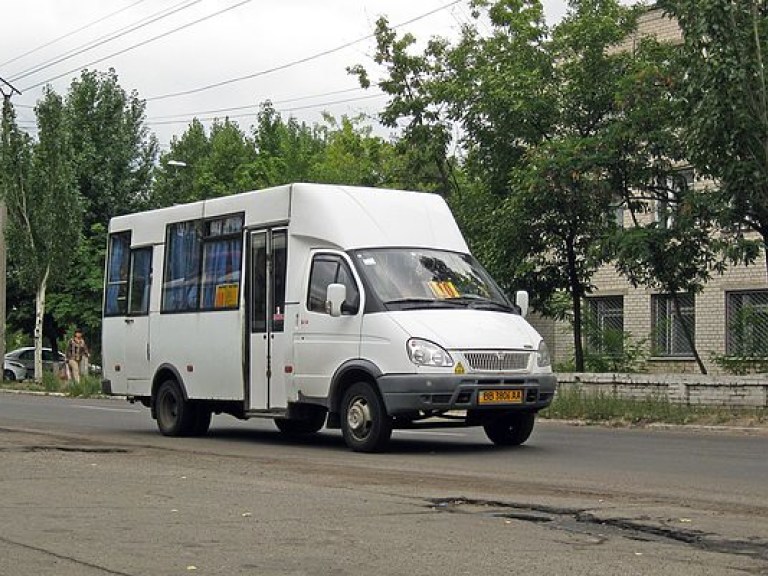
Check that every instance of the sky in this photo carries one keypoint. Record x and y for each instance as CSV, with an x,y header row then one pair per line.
x,y
293,52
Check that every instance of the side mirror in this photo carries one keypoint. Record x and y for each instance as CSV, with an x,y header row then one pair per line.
x,y
334,298
521,299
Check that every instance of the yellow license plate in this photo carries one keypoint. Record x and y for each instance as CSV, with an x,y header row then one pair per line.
x,y
500,397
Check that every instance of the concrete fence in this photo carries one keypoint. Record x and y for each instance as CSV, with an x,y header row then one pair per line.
x,y
735,391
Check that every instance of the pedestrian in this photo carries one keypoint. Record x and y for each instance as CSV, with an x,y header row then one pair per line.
x,y
77,356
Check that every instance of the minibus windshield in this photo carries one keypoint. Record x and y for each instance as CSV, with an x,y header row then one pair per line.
x,y
407,278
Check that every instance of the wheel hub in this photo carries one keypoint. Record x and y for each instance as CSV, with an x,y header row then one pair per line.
x,y
359,417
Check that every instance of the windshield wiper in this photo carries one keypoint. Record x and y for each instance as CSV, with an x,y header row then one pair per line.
x,y
419,302
481,302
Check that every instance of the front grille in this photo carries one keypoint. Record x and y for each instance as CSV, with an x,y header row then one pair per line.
x,y
501,361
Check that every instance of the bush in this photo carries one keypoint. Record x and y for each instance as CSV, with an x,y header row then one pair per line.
x,y
576,403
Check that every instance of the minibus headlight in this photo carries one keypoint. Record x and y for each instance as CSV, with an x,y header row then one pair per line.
x,y
542,358
426,353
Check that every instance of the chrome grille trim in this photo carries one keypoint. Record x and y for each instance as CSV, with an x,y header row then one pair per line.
x,y
497,360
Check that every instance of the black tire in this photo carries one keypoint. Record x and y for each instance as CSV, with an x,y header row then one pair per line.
x,y
175,416
302,427
9,375
202,421
365,424
510,429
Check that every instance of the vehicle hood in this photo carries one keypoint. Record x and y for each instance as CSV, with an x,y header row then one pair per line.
x,y
469,329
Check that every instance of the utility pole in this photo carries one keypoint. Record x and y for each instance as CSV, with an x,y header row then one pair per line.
x,y
7,90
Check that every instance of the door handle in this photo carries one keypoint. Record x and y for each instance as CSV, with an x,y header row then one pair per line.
x,y
129,320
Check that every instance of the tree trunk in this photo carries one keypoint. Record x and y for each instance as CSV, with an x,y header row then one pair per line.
x,y
687,333
39,312
573,280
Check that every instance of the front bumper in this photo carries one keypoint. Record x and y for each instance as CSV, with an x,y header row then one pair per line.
x,y
404,394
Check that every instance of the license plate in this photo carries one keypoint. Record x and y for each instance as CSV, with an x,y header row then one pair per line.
x,y
500,397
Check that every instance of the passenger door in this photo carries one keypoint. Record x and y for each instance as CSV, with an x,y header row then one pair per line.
x,y
321,342
266,325
137,322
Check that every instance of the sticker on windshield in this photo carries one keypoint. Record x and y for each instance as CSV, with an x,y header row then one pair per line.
x,y
443,290
369,261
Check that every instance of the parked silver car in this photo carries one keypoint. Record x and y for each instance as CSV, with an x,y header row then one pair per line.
x,y
14,370
26,357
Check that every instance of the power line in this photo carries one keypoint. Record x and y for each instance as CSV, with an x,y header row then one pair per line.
x,y
145,42
246,115
7,89
296,62
187,115
106,38
68,34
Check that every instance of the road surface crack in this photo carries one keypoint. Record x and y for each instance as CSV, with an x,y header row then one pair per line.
x,y
585,520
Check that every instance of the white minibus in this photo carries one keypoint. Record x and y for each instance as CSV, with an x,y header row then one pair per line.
x,y
317,305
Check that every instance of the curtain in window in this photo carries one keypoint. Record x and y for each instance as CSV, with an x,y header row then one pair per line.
x,y
182,281
221,273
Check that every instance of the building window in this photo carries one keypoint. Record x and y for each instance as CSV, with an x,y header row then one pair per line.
x,y
747,324
605,325
671,187
667,329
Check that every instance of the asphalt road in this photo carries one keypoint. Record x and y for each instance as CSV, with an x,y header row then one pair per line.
x,y
90,487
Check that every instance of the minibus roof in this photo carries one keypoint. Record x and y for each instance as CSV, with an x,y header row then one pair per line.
x,y
347,217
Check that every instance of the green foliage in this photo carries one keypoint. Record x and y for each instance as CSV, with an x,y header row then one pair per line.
x,y
741,365
576,402
613,350
88,387
748,333
113,150
725,92
414,83
44,209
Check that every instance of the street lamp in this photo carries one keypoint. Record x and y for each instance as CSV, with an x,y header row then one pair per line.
x,y
177,163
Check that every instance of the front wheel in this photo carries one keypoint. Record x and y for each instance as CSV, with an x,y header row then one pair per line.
x,y
511,429
365,424
9,375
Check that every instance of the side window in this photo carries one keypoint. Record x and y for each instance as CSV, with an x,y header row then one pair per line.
x,y
116,297
323,273
202,264
181,285
141,281
222,260
330,269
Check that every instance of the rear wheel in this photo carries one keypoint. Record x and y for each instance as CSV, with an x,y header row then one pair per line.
x,y
364,421
175,416
302,427
511,429
9,375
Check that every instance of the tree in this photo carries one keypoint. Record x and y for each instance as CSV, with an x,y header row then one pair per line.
x,y
414,82
114,155
353,155
726,92
113,149
43,204
177,182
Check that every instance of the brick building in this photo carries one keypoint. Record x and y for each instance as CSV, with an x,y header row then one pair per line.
x,y
729,318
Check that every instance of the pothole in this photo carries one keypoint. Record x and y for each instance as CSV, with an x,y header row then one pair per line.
x,y
587,522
